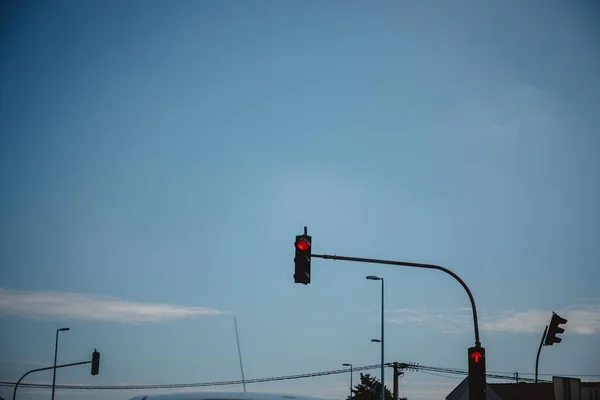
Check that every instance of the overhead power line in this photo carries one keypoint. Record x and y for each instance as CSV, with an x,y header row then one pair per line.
x,y
190,385
406,366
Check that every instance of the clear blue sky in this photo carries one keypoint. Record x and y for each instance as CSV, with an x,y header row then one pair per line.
x,y
158,158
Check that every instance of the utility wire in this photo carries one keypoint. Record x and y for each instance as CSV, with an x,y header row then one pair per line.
x,y
189,385
441,375
410,366
565,375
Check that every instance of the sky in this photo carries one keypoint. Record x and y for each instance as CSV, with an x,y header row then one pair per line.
x,y
157,160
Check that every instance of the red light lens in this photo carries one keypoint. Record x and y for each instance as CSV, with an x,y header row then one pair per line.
x,y
476,356
302,244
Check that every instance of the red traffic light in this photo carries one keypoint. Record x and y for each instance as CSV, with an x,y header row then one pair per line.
x,y
302,244
477,376
476,356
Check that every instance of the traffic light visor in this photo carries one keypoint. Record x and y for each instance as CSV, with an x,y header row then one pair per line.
x,y
302,244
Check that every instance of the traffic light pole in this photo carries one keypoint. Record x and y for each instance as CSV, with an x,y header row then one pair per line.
x,y
537,358
537,364
414,265
45,369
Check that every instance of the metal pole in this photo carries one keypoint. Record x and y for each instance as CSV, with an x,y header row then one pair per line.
x,y
44,369
55,354
54,368
351,385
382,345
396,374
237,338
537,364
415,265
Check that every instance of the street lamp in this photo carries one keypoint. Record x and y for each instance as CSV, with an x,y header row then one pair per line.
x,y
55,354
377,278
349,365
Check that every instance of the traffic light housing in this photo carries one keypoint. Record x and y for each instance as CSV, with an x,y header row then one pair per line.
x,y
554,329
303,246
477,381
95,362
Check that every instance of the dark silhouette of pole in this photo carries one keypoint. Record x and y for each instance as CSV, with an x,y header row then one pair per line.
x,y
237,338
396,374
382,343
537,364
414,265
55,354
45,369
377,278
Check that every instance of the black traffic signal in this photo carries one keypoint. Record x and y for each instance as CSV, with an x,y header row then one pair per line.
x,y
95,362
477,382
302,259
554,329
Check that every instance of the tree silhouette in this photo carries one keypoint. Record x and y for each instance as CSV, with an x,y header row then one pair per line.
x,y
369,388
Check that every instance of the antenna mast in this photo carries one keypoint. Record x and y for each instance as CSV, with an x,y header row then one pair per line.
x,y
239,353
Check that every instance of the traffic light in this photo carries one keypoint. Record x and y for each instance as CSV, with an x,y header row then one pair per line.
x,y
554,329
477,382
95,362
302,259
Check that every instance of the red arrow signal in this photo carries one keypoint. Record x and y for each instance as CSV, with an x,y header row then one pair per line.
x,y
476,355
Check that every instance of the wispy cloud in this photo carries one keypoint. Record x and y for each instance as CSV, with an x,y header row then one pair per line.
x,y
583,319
29,362
24,362
61,305
446,321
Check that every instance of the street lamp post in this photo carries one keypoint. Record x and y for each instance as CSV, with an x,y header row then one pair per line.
x,y
377,278
349,365
55,354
